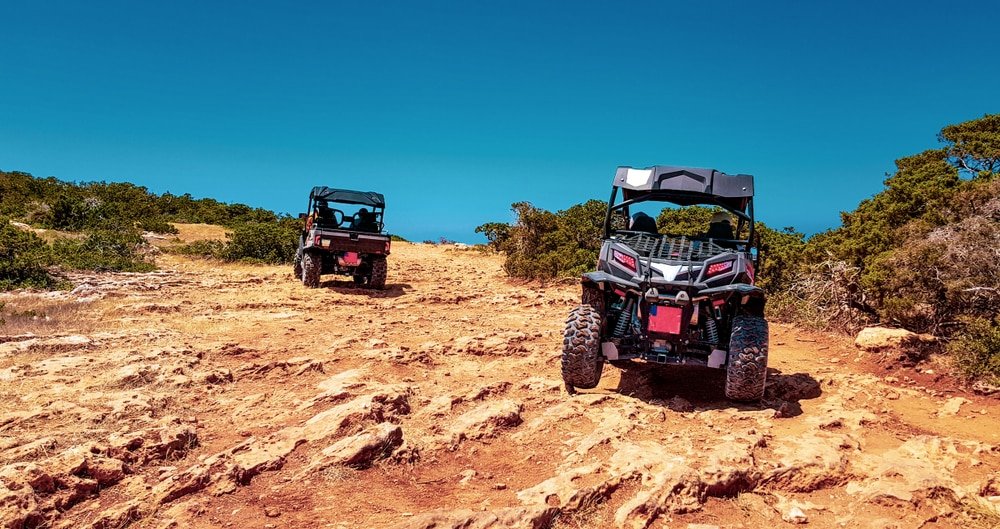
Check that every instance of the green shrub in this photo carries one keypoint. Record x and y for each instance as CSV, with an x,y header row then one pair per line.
x,y
545,245
24,257
398,238
104,251
156,225
975,350
262,242
207,249
496,234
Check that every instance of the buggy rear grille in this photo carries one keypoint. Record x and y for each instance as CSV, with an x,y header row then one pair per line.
x,y
642,243
670,248
684,249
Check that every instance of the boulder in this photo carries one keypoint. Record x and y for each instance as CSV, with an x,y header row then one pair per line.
x,y
884,339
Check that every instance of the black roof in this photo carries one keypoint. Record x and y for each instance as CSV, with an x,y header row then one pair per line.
x,y
346,196
686,185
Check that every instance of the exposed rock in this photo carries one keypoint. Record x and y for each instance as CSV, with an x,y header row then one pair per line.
x,y
680,404
811,462
360,450
919,469
951,406
884,339
153,444
512,518
499,344
795,515
485,421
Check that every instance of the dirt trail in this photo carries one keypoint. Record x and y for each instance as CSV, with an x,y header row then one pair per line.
x,y
230,396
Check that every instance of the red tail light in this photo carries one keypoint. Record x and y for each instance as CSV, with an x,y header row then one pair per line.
x,y
624,259
715,269
317,240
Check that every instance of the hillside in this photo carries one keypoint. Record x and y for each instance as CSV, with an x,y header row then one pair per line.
x,y
224,395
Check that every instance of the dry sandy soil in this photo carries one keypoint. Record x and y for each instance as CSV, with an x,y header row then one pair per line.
x,y
209,395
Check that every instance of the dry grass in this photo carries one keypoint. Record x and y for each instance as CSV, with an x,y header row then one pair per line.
x,y
200,232
38,315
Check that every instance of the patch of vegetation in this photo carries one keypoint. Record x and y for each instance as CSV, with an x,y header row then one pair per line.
x,y
545,245
398,238
975,350
262,242
24,259
104,251
52,203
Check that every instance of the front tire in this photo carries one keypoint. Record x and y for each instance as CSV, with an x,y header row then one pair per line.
x,y
582,361
746,370
297,266
380,269
312,266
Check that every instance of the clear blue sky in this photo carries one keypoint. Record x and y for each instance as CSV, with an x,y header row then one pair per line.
x,y
456,109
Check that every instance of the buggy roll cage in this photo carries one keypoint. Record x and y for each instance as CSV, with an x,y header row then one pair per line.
x,y
374,200
685,186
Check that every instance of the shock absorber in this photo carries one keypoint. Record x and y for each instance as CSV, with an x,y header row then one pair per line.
x,y
711,330
624,319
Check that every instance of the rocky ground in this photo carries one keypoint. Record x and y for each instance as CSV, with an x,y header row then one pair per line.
x,y
208,395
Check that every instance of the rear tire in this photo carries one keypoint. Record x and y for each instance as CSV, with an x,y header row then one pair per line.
x,y
582,361
746,370
380,270
297,266
312,266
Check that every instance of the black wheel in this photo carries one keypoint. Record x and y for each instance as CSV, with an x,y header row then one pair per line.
x,y
359,280
746,370
312,266
379,271
582,361
297,266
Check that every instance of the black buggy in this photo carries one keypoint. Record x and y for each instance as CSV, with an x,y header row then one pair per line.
x,y
673,299
343,234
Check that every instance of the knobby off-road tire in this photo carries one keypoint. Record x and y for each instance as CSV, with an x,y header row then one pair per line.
x,y
380,268
582,361
297,266
312,266
746,371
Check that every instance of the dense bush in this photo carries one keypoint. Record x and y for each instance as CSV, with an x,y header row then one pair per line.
x,y
156,225
104,251
262,242
51,203
976,350
23,259
926,248
544,245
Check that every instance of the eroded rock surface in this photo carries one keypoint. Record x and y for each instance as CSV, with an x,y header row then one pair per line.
x,y
211,395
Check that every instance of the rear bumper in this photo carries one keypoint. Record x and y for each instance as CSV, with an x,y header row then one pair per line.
x,y
347,241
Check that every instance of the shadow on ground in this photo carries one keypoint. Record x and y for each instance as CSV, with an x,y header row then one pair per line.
x,y
702,388
392,290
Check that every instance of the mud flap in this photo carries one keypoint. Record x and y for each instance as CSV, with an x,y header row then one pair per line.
x,y
610,350
717,359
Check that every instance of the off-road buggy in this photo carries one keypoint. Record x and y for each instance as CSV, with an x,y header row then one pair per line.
x,y
673,299
341,235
